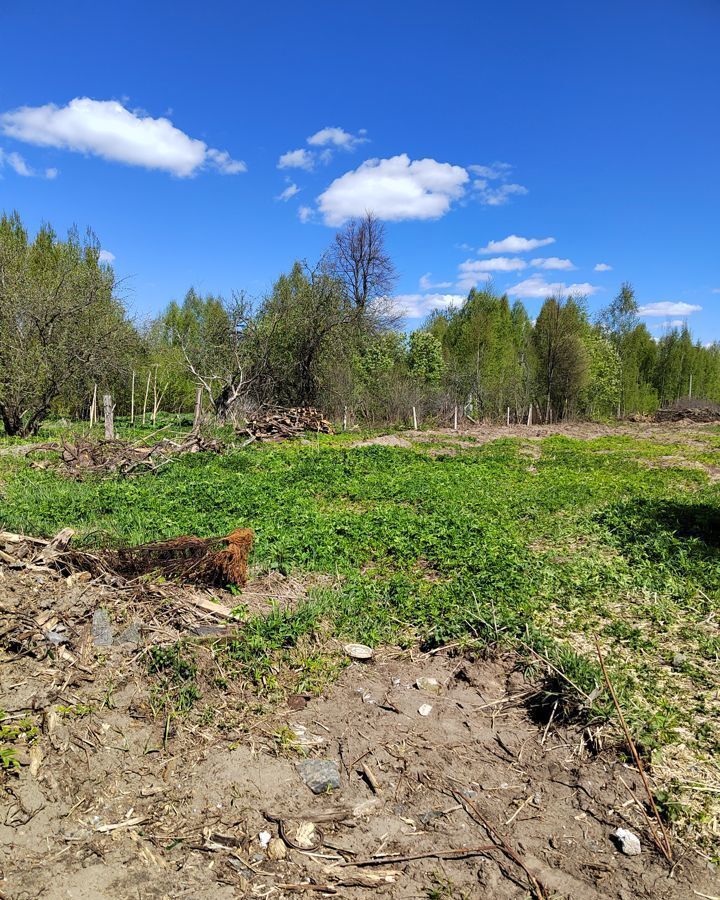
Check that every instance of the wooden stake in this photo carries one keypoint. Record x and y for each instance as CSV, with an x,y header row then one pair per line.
x,y
93,408
345,419
147,391
155,397
108,414
132,400
455,419
508,416
415,428
198,409
529,421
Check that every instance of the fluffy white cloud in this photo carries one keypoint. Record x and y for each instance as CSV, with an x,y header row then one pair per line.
x,y
336,137
106,256
305,213
297,159
427,284
515,244
553,262
473,271
668,308
603,267
394,189
20,167
107,129
289,192
536,288
416,306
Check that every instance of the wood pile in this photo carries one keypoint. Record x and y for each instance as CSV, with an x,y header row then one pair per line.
x,y
688,411
279,425
82,456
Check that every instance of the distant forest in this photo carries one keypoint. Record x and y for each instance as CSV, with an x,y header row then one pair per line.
x,y
326,335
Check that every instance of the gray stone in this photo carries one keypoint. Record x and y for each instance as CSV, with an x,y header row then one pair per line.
x,y
131,635
102,629
628,842
320,775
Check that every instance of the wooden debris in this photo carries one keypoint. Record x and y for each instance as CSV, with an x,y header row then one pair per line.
x,y
88,457
281,424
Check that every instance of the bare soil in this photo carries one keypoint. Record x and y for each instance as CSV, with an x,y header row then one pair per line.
x,y
113,802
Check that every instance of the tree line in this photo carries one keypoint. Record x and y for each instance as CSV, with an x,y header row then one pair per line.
x,y
326,335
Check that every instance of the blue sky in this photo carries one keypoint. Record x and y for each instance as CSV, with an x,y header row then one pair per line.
x,y
212,144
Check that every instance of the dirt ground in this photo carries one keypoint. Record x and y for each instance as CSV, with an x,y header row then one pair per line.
x,y
112,802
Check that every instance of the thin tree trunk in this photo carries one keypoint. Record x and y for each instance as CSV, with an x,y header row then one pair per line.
x,y
108,414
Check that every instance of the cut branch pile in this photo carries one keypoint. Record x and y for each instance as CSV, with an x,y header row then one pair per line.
x,y
217,561
690,411
87,457
281,424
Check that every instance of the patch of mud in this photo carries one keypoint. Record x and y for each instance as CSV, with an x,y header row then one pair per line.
x,y
111,801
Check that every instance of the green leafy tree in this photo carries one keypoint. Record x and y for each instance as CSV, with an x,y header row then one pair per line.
x,y
61,325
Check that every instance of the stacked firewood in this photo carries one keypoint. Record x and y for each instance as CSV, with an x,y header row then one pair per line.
x,y
280,424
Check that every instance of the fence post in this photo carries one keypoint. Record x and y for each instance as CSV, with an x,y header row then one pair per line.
x,y
415,428
198,409
132,400
93,408
147,391
508,416
455,419
345,419
108,415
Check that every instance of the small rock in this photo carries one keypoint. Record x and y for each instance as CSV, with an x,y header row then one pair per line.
x,y
320,775
431,685
425,709
102,629
131,635
367,807
276,849
264,837
358,651
679,661
628,842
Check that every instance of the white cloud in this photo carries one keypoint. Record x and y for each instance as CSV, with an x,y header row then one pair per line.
x,y
305,213
107,129
427,284
536,288
106,256
668,308
716,290
20,167
553,262
297,159
497,196
415,306
289,192
472,271
515,244
603,267
491,172
335,137
394,189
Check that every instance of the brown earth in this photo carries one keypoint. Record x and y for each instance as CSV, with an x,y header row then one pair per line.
x,y
114,802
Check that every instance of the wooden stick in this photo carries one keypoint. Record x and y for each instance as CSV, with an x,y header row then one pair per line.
x,y
198,409
462,853
455,421
414,420
155,399
132,400
664,847
93,407
147,391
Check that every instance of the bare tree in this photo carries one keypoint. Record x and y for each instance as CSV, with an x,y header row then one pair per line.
x,y
358,258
